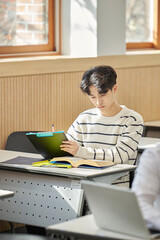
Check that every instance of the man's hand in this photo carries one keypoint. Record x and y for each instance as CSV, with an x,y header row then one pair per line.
x,y
70,147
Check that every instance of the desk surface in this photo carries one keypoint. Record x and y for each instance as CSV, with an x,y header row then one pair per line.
x,y
153,123
6,193
79,173
85,227
147,142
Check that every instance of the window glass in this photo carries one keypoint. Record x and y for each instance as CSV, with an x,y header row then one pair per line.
x,y
139,21
23,22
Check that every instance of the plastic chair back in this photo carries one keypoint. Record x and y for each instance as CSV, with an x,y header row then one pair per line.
x,y
17,141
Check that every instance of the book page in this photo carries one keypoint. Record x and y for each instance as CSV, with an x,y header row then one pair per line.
x,y
71,160
75,162
95,163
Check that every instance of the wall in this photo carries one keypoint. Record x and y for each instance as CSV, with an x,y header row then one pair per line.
x,y
34,93
93,35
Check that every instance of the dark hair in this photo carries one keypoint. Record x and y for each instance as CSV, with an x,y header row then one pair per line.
x,y
102,77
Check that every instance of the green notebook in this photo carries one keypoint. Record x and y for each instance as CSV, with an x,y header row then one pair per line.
x,y
48,143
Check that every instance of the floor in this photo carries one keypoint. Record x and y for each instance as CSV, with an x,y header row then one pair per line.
x,y
35,231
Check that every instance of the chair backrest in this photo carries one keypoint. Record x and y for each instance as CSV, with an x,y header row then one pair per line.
x,y
17,141
151,131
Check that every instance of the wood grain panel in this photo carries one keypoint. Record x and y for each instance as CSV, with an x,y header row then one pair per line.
x,y
35,102
139,89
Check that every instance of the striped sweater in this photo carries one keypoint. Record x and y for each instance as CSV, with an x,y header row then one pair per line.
x,y
107,138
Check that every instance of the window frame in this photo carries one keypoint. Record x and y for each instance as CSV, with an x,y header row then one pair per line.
x,y
156,32
50,48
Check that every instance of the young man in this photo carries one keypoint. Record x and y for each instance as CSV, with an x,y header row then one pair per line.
x,y
146,186
109,131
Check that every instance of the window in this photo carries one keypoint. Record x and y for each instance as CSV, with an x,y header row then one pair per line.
x,y
142,21
27,26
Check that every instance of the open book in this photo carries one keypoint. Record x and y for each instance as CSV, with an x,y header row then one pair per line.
x,y
79,162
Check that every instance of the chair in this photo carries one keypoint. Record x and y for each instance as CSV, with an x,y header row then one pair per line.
x,y
151,131
18,141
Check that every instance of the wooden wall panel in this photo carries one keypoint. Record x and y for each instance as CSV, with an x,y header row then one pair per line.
x,y
139,89
35,102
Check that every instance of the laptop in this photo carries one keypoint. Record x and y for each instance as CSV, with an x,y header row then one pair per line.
x,y
116,209
48,143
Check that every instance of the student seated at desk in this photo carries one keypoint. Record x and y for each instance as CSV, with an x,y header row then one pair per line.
x,y
109,131
146,186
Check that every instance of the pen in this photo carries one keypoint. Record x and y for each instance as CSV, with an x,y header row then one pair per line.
x,y
52,127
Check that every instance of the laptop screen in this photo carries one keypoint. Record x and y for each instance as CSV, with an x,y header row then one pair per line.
x,y
115,208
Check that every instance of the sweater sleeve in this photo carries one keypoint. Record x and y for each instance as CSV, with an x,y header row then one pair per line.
x,y
125,147
146,186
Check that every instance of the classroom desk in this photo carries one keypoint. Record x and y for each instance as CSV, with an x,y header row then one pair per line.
x,y
85,228
147,142
153,123
45,196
